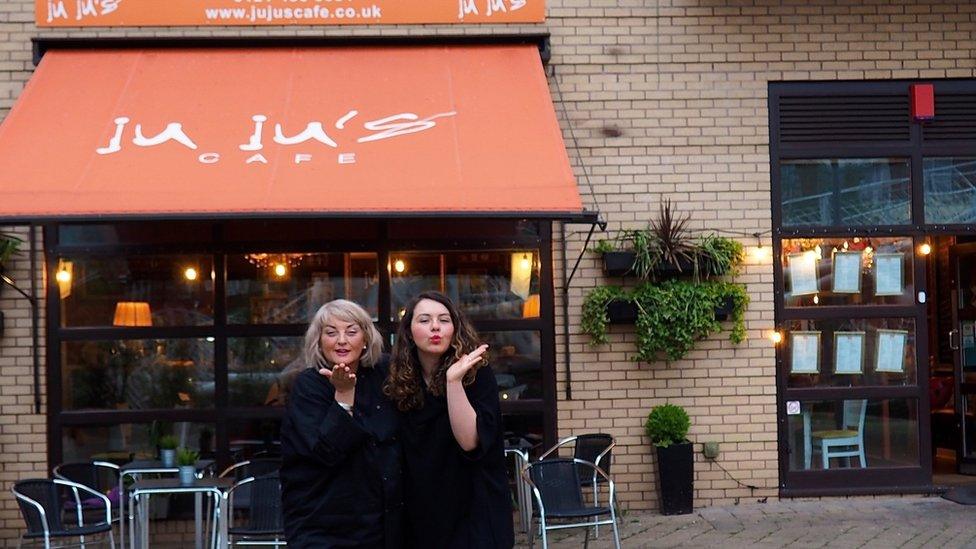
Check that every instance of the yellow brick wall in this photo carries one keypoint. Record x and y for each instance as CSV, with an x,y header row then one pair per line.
x,y
684,82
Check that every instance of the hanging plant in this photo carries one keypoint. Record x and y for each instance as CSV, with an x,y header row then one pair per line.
x,y
595,319
719,256
672,316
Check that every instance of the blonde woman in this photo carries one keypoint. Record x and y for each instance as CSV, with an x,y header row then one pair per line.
x,y
341,458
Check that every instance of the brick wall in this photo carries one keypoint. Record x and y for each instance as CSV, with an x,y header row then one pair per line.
x,y
683,82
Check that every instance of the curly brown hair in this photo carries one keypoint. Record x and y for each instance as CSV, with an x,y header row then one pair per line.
x,y
403,385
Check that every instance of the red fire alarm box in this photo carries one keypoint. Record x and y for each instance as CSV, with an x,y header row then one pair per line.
x,y
923,101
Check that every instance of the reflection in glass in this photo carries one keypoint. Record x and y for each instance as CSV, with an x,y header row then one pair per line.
x,y
98,285
836,434
950,190
885,276
866,348
254,438
122,443
280,288
260,369
515,357
484,284
865,191
137,374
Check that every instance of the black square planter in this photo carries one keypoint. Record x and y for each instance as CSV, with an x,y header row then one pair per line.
x,y
725,308
618,263
622,312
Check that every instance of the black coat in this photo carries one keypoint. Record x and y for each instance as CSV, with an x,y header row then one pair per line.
x,y
457,499
340,474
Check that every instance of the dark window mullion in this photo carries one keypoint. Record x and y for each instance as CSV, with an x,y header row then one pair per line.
x,y
220,355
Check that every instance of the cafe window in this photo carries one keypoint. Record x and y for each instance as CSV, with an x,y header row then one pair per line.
x,y
201,336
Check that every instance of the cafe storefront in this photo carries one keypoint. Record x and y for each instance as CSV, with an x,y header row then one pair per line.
x,y
204,203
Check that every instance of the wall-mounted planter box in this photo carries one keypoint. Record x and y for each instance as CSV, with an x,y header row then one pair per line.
x,y
669,270
618,263
622,312
725,308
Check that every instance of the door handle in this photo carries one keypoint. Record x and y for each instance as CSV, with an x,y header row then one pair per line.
x,y
954,340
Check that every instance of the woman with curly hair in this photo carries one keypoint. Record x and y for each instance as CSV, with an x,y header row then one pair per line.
x,y
340,472
455,485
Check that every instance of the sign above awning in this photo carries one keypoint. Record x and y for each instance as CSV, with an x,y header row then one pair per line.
x,y
148,13
433,130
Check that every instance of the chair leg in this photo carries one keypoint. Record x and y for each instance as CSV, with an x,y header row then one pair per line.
x,y
111,539
596,503
825,457
586,538
530,533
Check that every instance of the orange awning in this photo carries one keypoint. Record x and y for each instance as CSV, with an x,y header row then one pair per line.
x,y
433,130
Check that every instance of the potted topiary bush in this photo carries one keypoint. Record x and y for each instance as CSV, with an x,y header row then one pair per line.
x,y
186,459
167,450
667,427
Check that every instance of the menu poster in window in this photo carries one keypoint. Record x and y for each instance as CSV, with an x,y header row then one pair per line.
x,y
847,272
803,273
848,352
891,351
805,352
888,274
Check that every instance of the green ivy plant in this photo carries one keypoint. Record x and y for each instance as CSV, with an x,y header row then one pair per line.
x,y
667,424
595,319
719,256
672,316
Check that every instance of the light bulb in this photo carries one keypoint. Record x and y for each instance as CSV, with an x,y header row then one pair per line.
x,y
775,337
526,262
925,249
190,273
399,266
63,276
280,270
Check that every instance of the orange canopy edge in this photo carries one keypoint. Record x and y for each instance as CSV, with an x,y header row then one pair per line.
x,y
155,133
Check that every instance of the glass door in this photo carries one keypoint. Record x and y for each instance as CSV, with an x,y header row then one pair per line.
x,y
962,341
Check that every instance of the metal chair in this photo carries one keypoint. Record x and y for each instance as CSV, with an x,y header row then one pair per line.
x,y
265,523
558,494
595,448
100,476
256,467
41,503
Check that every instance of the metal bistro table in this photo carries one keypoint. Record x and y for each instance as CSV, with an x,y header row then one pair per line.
x,y
141,490
135,468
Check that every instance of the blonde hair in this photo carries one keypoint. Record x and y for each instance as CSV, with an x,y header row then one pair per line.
x,y
346,311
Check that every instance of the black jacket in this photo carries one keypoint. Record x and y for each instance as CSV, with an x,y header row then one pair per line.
x,y
457,499
340,474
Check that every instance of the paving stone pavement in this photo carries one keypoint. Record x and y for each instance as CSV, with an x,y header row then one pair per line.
x,y
910,522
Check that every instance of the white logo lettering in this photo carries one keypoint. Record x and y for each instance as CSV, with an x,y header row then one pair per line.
x,y
257,158
314,131
115,144
347,158
517,4
387,127
255,143
299,158
341,123
465,7
209,158
495,5
56,10
173,131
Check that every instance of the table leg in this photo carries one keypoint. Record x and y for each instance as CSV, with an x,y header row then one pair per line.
x,y
144,520
132,530
122,516
198,519
224,520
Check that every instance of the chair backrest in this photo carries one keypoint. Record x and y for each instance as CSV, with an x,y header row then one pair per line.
x,y
46,493
590,446
98,476
558,482
264,505
854,413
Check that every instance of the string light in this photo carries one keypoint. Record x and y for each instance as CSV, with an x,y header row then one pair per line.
x,y
280,270
190,274
775,337
399,266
